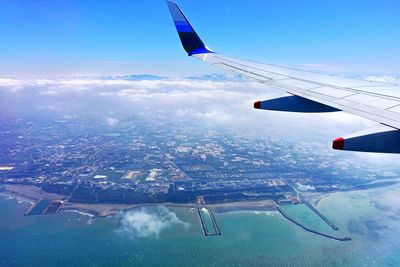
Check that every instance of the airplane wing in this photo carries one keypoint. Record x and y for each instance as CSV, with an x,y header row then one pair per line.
x,y
312,92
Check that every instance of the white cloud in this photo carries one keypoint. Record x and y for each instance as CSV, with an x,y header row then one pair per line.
x,y
215,102
145,223
303,187
383,78
48,107
112,121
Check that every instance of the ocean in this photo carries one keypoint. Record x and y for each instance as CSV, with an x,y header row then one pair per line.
x,y
160,236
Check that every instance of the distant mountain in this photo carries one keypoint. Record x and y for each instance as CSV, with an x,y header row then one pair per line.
x,y
216,77
139,77
152,77
389,78
206,77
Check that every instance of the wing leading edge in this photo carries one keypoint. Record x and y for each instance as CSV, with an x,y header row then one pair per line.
x,y
312,92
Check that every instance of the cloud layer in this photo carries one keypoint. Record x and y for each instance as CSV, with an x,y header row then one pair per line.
x,y
148,223
216,101
224,103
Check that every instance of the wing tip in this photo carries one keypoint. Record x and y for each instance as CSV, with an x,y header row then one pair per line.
x,y
257,104
171,2
338,143
190,40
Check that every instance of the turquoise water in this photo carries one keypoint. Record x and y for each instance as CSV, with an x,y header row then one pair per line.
x,y
159,236
301,213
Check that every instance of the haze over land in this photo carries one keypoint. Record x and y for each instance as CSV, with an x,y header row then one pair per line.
x,y
209,101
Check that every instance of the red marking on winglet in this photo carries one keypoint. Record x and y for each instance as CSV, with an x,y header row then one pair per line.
x,y
257,104
338,143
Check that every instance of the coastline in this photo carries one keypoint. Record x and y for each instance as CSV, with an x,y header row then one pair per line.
x,y
31,194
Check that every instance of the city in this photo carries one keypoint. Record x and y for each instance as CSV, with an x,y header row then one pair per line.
x,y
143,161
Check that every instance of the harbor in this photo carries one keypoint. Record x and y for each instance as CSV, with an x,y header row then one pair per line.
x,y
285,215
325,219
304,201
208,222
44,206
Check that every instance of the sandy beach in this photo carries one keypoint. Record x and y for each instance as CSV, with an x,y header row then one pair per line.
x,y
32,194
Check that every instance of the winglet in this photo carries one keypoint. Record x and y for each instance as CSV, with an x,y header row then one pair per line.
x,y
191,42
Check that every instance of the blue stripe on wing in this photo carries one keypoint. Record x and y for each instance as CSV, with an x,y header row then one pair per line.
x,y
183,26
191,42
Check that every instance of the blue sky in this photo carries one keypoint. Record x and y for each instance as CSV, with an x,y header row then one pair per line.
x,y
63,38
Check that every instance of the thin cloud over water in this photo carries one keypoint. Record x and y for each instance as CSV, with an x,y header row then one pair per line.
x,y
144,222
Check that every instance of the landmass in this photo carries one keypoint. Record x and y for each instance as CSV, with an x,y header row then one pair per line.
x,y
82,165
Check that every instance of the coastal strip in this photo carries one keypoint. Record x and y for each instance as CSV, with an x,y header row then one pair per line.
x,y
311,230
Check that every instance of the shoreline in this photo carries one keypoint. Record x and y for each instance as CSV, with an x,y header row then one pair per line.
x,y
30,194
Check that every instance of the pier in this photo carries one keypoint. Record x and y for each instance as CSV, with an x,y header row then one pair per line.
x,y
208,221
309,229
